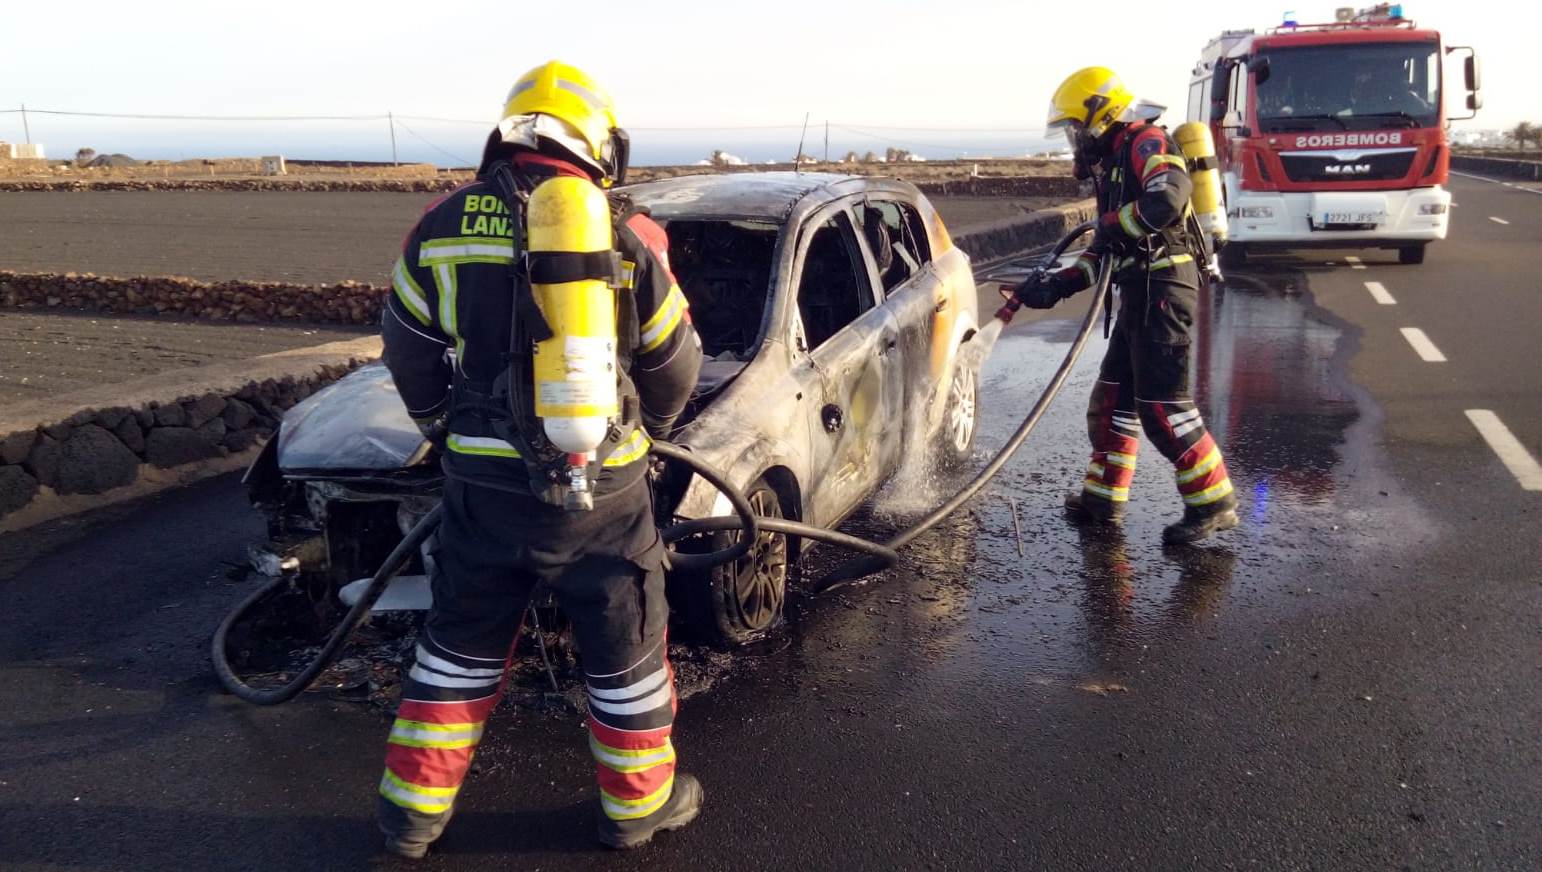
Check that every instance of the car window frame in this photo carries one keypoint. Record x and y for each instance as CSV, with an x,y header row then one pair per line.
x,y
803,240
924,259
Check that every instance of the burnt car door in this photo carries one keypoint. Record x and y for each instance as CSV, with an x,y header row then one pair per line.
x,y
920,301
848,359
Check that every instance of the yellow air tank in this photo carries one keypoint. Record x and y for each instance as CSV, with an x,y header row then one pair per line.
x,y
575,370
1199,150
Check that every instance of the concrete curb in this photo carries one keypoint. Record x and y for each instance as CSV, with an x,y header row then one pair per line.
x,y
106,444
1498,166
987,244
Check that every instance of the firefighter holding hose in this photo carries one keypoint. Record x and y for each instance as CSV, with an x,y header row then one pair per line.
x,y
1155,237
536,331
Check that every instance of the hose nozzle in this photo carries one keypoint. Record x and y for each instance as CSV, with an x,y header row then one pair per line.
x,y
1008,310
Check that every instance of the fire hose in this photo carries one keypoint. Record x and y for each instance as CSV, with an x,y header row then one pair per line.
x,y
874,557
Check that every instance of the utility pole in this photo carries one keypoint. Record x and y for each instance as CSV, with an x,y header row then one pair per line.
x,y
27,128
391,121
827,140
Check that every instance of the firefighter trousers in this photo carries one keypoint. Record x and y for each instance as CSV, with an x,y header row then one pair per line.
x,y
1144,383
606,568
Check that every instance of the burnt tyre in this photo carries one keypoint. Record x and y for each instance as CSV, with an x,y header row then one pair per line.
x,y
740,602
961,418
1411,254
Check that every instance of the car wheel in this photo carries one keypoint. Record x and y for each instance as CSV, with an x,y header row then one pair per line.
x,y
739,602
1234,254
1411,254
961,418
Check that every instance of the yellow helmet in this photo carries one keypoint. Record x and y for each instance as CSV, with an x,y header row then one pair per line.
x,y
560,105
1092,100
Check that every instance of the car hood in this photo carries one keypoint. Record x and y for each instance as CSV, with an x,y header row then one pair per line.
x,y
356,423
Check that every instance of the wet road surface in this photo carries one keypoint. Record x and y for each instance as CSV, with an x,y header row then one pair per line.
x,y
1350,680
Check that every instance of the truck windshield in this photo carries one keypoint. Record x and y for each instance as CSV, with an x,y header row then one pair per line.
x,y
1352,86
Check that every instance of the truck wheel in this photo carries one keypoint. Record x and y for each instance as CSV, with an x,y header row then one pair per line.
x,y
739,602
961,418
1234,254
1411,254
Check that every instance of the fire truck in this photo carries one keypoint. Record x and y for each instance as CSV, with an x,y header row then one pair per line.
x,y
1332,135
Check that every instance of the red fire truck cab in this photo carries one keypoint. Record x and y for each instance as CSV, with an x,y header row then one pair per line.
x,y
1331,135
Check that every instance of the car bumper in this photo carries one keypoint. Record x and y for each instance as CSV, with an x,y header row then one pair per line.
x,y
1406,217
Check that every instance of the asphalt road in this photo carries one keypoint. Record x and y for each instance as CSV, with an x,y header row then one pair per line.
x,y
1348,681
289,236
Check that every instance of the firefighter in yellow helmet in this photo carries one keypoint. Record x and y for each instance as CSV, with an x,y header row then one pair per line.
x,y
461,328
1143,188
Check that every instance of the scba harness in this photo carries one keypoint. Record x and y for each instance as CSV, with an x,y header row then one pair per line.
x,y
507,405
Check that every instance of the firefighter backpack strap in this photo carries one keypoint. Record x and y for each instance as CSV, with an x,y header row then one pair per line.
x,y
561,267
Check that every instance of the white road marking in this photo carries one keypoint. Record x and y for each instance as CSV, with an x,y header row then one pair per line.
x,y
1422,345
1511,452
1354,262
1379,292
1497,220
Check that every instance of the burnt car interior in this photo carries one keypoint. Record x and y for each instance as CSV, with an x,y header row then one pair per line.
x,y
724,269
833,289
893,233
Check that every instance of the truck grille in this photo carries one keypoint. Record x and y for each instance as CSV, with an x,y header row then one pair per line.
x,y
1370,166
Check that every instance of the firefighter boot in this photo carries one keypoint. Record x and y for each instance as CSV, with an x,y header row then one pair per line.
x,y
682,807
1089,508
1201,521
413,845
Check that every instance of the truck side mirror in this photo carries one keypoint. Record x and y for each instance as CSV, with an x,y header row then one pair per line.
x,y
1259,67
1473,73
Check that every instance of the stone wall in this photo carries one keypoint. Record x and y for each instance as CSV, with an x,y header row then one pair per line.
x,y
1021,186
1501,167
988,243
98,450
342,303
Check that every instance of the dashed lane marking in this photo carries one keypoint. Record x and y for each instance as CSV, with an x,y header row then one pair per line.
x,y
1422,345
1511,452
1497,220
1379,292
1354,262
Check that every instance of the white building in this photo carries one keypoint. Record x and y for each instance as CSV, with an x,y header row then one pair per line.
x,y
21,151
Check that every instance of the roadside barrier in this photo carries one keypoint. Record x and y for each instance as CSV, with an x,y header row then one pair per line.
x,y
119,441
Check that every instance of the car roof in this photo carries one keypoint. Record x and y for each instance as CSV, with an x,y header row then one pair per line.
x,y
769,196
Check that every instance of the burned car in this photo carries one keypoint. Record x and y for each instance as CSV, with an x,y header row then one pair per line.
x,y
831,311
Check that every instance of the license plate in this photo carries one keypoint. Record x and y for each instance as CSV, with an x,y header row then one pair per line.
x,y
1353,217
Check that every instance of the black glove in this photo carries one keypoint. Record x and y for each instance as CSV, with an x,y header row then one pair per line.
x,y
1039,292
435,430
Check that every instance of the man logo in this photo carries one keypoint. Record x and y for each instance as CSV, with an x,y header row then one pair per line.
x,y
1347,169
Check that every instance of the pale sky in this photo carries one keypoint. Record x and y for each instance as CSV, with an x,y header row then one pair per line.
x,y
961,64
